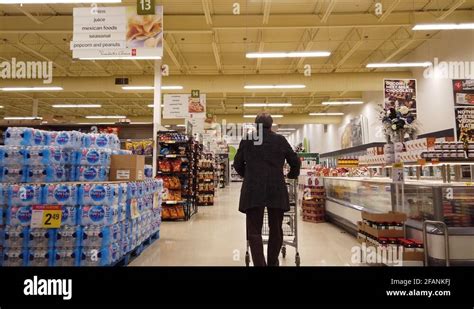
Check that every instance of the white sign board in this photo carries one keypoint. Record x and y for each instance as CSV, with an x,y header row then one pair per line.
x,y
398,175
175,106
117,32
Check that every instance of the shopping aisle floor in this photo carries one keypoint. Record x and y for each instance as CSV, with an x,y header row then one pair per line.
x,y
216,237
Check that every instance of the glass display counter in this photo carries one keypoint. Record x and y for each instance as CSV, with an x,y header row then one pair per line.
x,y
450,203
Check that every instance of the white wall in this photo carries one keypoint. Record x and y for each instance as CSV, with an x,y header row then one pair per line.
x,y
435,96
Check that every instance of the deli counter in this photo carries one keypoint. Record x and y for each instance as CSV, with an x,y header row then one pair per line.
x,y
450,203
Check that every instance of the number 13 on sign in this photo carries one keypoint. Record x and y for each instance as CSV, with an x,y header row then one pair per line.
x,y
146,7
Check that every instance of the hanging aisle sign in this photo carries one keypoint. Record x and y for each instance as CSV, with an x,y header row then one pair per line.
x,y
175,106
117,33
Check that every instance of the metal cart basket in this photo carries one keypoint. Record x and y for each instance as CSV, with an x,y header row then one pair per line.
x,y
290,225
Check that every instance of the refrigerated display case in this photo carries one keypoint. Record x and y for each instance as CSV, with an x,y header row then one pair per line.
x,y
448,204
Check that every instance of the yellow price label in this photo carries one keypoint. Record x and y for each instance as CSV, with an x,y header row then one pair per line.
x,y
46,216
397,165
469,184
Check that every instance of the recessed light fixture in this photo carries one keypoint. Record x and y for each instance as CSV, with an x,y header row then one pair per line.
x,y
343,103
152,87
400,65
76,106
152,106
23,118
308,54
1,106
464,26
105,117
267,104
326,114
286,129
56,1
122,58
275,86
181,125
31,89
254,116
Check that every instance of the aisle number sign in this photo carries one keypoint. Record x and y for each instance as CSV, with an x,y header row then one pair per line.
x,y
195,94
46,216
146,7
398,175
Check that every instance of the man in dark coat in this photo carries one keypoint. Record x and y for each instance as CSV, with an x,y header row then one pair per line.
x,y
261,165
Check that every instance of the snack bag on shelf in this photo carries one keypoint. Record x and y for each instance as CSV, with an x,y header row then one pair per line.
x,y
148,148
164,166
176,165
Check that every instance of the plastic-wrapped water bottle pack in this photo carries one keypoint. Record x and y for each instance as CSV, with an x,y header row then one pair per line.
x,y
32,155
98,224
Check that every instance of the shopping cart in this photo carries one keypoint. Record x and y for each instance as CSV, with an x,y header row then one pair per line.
x,y
290,225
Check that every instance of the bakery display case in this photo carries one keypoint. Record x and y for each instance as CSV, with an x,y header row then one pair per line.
x,y
450,204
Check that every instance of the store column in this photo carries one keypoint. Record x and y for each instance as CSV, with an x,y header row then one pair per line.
x,y
156,111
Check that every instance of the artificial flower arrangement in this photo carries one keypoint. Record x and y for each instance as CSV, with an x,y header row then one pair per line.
x,y
398,122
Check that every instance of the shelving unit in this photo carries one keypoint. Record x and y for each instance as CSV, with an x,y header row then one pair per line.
x,y
206,180
176,166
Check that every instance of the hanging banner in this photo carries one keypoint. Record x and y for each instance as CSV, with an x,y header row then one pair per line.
x,y
118,33
464,108
175,106
400,92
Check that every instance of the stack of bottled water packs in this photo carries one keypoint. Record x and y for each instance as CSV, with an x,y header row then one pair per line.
x,y
101,221
32,155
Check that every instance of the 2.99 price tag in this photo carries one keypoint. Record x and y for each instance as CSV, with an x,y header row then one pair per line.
x,y
46,216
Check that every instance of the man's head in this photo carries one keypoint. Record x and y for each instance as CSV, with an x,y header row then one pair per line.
x,y
265,119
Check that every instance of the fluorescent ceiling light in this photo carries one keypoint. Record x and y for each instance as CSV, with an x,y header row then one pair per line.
x,y
23,118
56,1
31,89
167,126
466,26
152,106
275,86
326,114
343,103
123,58
400,65
76,105
151,87
287,129
267,104
181,125
1,106
308,54
254,116
106,117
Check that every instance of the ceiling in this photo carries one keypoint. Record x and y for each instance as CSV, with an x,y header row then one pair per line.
x,y
205,47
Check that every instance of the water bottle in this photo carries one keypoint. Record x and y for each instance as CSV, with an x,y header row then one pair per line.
x,y
116,232
15,236
69,236
57,155
95,256
40,256
95,215
24,195
95,236
15,257
87,173
12,155
61,194
66,257
96,194
93,156
18,136
18,215
39,237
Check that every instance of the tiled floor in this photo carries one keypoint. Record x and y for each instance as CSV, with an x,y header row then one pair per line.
x,y
216,237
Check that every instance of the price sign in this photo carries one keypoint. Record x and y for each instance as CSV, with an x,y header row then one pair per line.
x,y
146,7
398,175
46,216
422,162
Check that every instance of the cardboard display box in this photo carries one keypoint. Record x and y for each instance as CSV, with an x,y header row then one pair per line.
x,y
379,233
385,217
127,167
